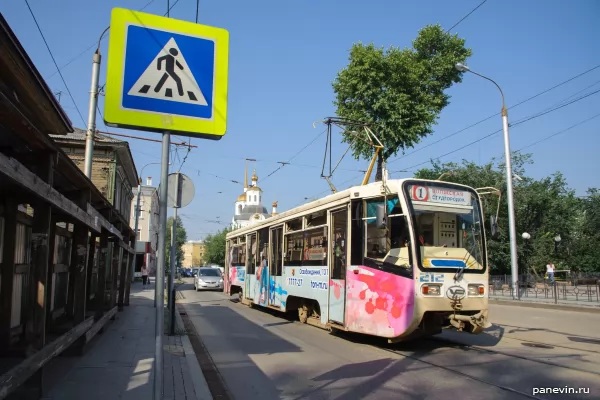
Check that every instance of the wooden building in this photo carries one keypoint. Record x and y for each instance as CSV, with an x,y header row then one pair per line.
x,y
65,249
113,168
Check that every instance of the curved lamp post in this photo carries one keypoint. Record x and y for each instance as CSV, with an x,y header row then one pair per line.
x,y
514,266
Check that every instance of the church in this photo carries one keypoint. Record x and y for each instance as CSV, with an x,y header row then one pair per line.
x,y
248,207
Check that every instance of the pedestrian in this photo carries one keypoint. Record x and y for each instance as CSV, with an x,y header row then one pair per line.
x,y
144,275
550,269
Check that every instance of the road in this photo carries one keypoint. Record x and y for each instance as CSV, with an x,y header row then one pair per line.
x,y
262,355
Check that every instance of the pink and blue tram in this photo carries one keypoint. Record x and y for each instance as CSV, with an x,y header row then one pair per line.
x,y
396,260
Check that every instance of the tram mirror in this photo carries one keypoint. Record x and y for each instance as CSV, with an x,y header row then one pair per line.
x,y
380,217
494,227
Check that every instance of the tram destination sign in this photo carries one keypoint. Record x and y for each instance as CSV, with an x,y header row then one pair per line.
x,y
437,194
166,75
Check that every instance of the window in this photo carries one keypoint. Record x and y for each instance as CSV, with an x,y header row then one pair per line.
x,y
276,247
253,258
306,247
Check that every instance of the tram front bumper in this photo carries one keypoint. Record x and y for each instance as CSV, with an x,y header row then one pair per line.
x,y
473,323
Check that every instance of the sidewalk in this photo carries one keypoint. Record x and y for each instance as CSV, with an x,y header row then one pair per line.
x,y
119,363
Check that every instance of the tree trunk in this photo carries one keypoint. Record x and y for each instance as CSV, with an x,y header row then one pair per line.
x,y
379,173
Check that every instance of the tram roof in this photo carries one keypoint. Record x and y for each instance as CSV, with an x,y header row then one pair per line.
x,y
359,191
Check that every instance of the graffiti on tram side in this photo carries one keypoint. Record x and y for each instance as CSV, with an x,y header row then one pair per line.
x,y
378,303
237,276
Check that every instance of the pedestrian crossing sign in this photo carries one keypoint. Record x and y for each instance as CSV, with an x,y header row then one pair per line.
x,y
166,75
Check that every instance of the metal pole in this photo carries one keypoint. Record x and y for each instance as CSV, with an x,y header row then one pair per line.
x,y
135,228
172,275
91,128
160,267
512,230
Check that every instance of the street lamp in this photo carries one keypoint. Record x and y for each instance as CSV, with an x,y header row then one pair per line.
x,y
557,240
509,182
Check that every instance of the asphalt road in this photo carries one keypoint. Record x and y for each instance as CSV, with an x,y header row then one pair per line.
x,y
262,355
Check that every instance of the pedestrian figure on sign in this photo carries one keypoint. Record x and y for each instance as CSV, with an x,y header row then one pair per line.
x,y
144,275
170,63
550,269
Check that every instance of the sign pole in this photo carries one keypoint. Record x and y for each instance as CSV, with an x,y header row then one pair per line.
x,y
160,268
172,275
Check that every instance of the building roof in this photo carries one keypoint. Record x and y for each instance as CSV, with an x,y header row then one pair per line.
x,y
77,138
249,211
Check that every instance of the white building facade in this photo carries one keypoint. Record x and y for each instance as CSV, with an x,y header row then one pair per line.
x,y
248,208
147,234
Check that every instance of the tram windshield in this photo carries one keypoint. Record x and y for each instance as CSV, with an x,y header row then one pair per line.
x,y
448,226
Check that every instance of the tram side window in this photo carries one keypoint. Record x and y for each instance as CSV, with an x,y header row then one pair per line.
x,y
315,247
252,254
263,245
294,249
276,246
358,237
233,251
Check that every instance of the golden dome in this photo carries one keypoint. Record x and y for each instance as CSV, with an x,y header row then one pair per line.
x,y
274,204
242,197
254,176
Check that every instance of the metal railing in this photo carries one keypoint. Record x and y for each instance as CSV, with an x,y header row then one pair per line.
x,y
576,287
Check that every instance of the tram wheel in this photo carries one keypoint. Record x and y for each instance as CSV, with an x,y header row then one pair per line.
x,y
303,314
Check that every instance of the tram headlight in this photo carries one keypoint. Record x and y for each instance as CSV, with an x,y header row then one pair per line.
x,y
476,290
431,290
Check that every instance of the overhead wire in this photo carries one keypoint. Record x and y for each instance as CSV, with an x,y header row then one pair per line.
x,y
95,44
283,163
54,61
500,130
496,114
559,132
466,16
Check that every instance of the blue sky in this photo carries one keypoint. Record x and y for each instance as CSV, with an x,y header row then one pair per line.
x,y
284,55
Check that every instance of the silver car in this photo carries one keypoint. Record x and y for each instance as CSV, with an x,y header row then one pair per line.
x,y
208,279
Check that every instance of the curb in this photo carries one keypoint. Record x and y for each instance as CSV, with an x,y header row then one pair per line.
x,y
200,384
594,309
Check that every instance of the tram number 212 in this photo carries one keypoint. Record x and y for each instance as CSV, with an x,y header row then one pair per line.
x,y
431,278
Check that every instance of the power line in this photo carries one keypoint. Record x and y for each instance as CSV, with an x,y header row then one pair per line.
x,y
496,114
559,132
95,44
466,16
54,61
500,130
283,163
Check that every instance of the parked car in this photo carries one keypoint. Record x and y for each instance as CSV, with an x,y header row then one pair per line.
x,y
195,271
208,279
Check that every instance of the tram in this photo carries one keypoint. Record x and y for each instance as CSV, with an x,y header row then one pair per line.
x,y
396,259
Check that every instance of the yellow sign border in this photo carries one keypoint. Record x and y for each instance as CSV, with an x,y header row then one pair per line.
x,y
115,115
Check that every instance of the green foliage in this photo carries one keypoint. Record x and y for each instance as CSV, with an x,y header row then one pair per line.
x,y
180,239
215,247
544,208
400,90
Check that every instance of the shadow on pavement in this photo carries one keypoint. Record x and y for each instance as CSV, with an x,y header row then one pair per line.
x,y
116,364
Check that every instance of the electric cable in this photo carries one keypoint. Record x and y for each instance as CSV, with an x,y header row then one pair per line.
x,y
497,114
54,61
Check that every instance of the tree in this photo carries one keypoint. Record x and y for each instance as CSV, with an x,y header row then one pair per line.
x,y
400,92
180,239
215,247
544,208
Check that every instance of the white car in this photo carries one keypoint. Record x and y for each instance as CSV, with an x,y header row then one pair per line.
x,y
208,279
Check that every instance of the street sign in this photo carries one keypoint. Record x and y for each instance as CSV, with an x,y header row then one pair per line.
x,y
181,193
166,75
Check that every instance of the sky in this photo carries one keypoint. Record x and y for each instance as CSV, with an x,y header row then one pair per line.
x,y
284,56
